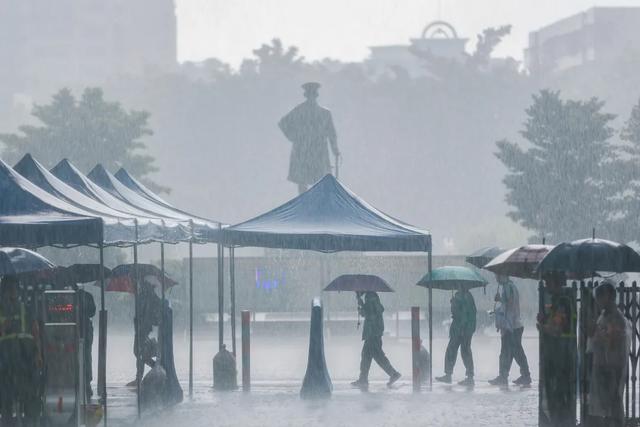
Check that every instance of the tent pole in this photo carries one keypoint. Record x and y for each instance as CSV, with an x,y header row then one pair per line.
x,y
102,341
429,267
137,320
162,284
191,318
220,295
232,295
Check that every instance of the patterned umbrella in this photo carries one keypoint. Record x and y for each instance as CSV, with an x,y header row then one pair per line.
x,y
519,262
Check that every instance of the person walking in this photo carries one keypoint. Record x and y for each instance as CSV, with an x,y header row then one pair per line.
x,y
309,127
371,309
463,326
609,342
510,326
145,348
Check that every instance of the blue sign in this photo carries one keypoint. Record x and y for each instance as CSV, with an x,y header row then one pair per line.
x,y
267,281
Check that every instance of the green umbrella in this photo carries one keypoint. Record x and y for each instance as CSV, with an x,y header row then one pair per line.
x,y
452,277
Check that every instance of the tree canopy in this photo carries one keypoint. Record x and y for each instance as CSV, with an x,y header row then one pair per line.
x,y
560,185
87,131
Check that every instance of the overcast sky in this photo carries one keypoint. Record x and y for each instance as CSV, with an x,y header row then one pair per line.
x,y
343,29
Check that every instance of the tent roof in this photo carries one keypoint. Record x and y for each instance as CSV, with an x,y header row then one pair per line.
x,y
133,184
31,169
328,218
203,230
71,175
128,180
150,227
29,216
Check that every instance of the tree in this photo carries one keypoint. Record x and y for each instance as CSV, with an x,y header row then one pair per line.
x,y
560,186
87,131
487,42
628,167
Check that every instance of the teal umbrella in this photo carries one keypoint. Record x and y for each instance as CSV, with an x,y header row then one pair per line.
x,y
451,278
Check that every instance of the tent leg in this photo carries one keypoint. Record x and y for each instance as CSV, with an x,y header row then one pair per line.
x,y
232,295
429,267
137,326
190,319
163,297
102,341
220,296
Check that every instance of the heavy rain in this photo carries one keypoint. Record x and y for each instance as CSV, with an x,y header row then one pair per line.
x,y
302,213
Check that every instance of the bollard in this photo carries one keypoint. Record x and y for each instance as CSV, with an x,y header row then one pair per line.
x,y
246,350
415,346
317,382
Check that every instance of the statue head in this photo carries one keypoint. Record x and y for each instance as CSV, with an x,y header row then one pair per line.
x,y
311,90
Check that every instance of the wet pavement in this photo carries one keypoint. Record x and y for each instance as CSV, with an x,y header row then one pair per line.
x,y
278,368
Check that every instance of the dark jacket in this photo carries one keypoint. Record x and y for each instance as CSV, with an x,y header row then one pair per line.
x,y
463,314
371,310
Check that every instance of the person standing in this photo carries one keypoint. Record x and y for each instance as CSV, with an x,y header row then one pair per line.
x,y
371,309
510,326
20,358
609,342
87,307
463,326
309,127
557,325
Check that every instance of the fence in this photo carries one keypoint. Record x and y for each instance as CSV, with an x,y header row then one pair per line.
x,y
629,304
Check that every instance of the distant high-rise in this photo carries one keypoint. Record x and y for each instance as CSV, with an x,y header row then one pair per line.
x,y
49,44
598,36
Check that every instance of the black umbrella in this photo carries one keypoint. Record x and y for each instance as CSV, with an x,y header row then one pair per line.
x,y
358,283
482,256
19,261
588,255
123,276
80,273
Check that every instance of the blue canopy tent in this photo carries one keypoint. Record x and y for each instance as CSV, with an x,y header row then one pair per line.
x,y
71,175
32,217
330,218
146,229
207,232
203,231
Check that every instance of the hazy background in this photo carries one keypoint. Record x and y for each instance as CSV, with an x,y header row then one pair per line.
x,y
418,144
345,29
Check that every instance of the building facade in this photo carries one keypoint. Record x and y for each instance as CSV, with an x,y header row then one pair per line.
x,y
48,44
438,38
598,36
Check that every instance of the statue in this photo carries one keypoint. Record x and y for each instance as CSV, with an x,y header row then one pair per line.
x,y
309,127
